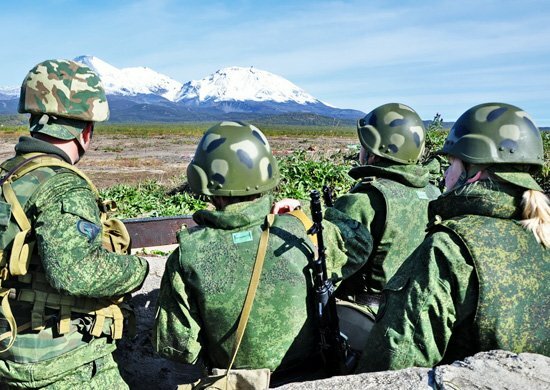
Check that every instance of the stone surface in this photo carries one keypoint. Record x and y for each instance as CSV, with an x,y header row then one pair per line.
x,y
496,370
409,379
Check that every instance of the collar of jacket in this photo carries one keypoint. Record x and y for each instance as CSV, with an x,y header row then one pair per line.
x,y
237,215
33,145
410,175
487,198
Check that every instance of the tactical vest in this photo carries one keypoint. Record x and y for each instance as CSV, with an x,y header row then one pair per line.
x,y
513,310
219,281
404,228
22,277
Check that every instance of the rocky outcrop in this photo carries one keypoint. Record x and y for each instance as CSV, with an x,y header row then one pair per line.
x,y
485,370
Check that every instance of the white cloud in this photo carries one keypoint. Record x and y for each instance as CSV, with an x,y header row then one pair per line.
x,y
352,54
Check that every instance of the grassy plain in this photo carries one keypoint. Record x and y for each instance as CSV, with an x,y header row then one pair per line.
x,y
142,166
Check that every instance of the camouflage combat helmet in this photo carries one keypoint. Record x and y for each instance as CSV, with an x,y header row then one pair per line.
x,y
233,159
62,96
393,131
492,133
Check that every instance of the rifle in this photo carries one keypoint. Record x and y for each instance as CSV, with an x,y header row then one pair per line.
x,y
327,196
338,356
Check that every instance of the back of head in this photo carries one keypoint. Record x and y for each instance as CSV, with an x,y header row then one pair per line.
x,y
503,140
233,159
393,131
62,96
495,133
501,136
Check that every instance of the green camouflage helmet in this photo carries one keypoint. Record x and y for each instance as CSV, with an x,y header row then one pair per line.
x,y
233,159
62,96
393,131
492,133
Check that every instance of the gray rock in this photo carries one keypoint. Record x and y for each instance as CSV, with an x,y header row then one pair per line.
x,y
408,379
485,370
495,370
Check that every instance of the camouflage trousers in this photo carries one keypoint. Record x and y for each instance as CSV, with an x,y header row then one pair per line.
x,y
99,374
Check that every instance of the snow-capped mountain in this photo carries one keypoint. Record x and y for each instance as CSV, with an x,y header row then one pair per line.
x,y
132,81
142,94
244,84
9,93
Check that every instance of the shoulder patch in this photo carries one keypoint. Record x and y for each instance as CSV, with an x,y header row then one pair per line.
x,y
88,229
241,237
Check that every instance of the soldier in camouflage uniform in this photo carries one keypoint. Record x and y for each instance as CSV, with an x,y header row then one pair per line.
x,y
391,199
479,281
66,301
205,281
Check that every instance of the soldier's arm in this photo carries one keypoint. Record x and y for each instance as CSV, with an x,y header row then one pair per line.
x,y
348,243
176,332
68,236
432,295
361,206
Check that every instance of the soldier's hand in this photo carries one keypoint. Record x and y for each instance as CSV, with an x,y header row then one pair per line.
x,y
285,205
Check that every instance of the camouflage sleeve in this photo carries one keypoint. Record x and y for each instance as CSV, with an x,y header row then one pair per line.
x,y
348,243
433,293
68,236
361,206
176,332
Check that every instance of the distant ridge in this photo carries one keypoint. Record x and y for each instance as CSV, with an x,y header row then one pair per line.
x,y
140,94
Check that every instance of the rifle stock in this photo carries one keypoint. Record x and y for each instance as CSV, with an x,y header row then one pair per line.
x,y
339,357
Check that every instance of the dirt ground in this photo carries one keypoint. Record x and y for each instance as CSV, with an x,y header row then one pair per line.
x,y
118,159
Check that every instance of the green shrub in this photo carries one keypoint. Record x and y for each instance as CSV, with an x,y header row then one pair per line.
x,y
150,199
301,172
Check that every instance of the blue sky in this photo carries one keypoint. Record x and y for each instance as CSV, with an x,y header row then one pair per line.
x,y
436,56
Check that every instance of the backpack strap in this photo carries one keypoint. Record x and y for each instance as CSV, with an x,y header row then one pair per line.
x,y
251,293
306,221
39,160
8,315
20,256
21,251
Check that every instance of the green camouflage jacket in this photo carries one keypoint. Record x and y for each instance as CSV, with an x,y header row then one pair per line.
x,y
206,279
392,201
477,282
68,252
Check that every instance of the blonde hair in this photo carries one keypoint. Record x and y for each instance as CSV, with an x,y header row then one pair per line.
x,y
536,214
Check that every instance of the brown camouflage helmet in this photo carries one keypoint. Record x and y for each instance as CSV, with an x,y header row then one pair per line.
x,y
233,159
495,133
62,96
393,131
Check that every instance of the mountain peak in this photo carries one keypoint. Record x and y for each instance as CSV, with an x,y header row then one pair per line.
x,y
237,83
132,81
141,92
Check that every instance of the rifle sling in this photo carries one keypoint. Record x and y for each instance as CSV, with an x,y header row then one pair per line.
x,y
251,293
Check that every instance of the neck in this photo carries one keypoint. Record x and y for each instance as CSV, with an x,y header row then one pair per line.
x,y
69,147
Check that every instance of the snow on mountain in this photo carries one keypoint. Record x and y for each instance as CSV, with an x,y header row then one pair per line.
x,y
9,92
244,84
132,81
140,93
